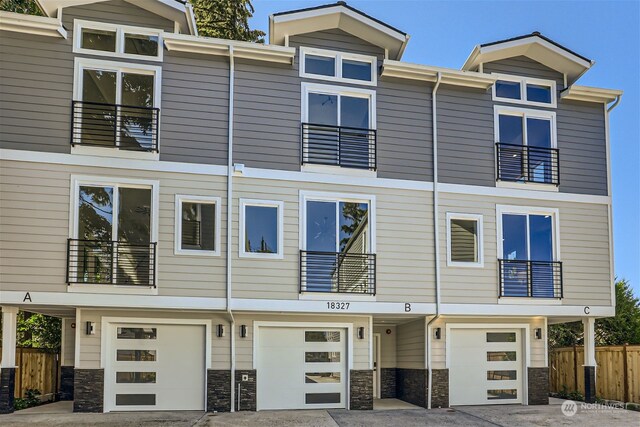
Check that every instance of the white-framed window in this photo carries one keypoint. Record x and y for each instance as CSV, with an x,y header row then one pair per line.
x,y
338,66
528,233
464,240
328,105
524,126
261,229
113,231
197,227
525,90
337,222
119,41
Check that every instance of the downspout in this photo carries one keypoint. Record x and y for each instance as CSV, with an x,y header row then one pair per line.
x,y
229,223
610,209
436,234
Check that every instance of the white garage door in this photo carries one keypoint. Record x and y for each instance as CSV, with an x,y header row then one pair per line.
x,y
155,367
485,366
301,368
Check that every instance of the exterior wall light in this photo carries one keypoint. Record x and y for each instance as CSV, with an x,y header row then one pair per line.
x,y
220,331
538,333
361,333
243,331
437,333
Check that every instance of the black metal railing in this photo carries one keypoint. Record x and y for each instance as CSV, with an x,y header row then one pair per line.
x,y
109,125
522,163
533,279
111,263
338,146
337,272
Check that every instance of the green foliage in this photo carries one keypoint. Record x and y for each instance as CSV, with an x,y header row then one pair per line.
x,y
576,395
28,7
39,331
622,329
226,19
564,393
32,398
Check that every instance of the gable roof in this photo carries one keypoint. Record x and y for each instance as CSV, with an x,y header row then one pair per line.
x,y
337,16
178,11
534,46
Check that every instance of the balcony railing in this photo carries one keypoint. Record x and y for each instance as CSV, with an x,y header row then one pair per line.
x,y
111,263
337,272
533,279
523,163
338,146
119,126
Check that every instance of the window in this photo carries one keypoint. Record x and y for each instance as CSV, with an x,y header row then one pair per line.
x,y
261,229
116,105
524,90
114,232
120,41
332,106
338,66
528,252
197,225
464,240
526,144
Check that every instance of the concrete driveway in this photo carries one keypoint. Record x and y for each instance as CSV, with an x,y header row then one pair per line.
x,y
508,415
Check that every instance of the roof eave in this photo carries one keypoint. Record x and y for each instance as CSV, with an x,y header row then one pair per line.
x,y
426,73
31,24
590,94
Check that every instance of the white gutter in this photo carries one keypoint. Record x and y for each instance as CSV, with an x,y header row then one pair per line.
x,y
436,234
229,223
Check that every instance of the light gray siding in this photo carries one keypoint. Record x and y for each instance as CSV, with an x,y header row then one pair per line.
x,y
116,12
410,350
523,66
336,40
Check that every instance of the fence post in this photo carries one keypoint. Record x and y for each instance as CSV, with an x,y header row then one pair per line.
x,y
575,367
625,376
21,373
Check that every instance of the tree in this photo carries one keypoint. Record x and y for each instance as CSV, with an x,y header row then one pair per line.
x,y
226,19
624,328
37,330
28,7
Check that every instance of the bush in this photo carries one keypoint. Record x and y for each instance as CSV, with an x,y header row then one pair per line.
x,y
32,398
564,393
576,395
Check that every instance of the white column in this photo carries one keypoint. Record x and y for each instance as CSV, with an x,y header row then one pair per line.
x,y
9,330
589,324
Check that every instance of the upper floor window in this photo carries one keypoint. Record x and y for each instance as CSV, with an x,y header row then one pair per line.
x,y
261,223
524,90
464,240
338,66
338,126
121,41
116,105
197,225
114,232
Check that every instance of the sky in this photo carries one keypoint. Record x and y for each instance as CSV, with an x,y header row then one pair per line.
x,y
443,33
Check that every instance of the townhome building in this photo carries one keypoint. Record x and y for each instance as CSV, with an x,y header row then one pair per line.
x,y
306,223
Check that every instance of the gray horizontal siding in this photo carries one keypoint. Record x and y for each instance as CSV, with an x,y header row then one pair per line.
x,y
336,40
116,12
523,66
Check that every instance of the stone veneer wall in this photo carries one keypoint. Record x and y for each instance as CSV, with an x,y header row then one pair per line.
x,y
218,390
590,384
411,386
66,382
361,389
538,382
387,383
246,397
440,392
88,390
7,387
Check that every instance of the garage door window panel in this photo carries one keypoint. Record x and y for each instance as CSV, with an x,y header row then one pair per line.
x,y
135,399
137,333
322,336
136,355
502,375
322,398
502,394
501,337
501,356
322,357
136,377
322,377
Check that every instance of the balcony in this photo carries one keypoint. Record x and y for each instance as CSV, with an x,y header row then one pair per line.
x,y
338,272
111,263
523,163
532,279
114,126
338,146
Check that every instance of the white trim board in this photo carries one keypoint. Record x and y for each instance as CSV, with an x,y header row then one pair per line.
x,y
524,81
338,58
279,205
479,239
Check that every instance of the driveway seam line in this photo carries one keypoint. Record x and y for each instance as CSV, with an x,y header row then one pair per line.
x,y
480,418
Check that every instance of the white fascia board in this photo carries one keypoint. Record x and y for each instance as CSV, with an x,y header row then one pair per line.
x,y
213,46
526,42
31,24
590,94
391,68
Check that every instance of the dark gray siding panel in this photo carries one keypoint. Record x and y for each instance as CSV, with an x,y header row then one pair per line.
x,y
194,110
582,145
116,12
36,87
404,131
336,40
523,66
267,116
465,136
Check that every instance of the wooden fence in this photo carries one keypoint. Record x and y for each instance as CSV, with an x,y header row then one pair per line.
x,y
617,374
38,369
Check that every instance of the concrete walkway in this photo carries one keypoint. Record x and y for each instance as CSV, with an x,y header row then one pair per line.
x,y
59,414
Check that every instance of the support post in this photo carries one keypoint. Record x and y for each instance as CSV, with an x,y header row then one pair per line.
x,y
589,359
8,364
